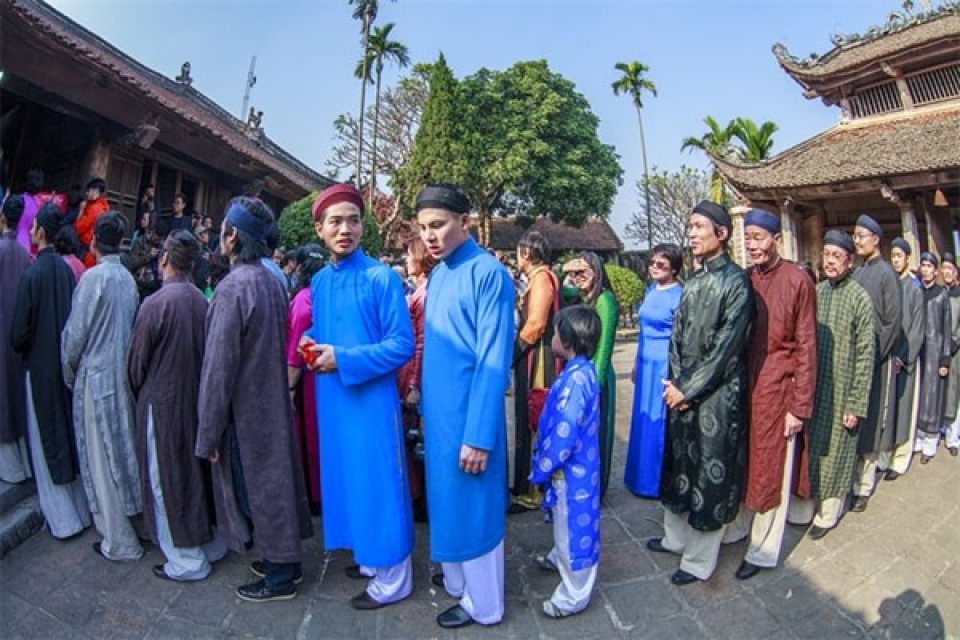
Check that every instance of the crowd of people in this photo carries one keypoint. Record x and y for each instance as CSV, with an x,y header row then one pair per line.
x,y
317,381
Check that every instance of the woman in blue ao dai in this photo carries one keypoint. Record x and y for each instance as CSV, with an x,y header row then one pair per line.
x,y
648,424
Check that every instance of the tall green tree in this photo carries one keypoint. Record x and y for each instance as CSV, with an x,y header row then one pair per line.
x,y
366,12
716,142
380,50
633,82
756,142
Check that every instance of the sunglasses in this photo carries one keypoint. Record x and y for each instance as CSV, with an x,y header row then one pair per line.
x,y
659,264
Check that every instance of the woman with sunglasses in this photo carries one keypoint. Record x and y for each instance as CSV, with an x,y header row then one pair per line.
x,y
586,273
648,423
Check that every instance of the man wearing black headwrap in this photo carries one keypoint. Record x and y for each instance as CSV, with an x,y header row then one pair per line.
x,y
844,328
706,445
934,358
94,357
878,429
895,462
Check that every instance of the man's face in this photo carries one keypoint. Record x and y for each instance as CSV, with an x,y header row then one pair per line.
x,y
761,245
341,228
227,241
948,272
866,242
928,272
836,262
899,260
704,241
442,231
178,205
150,192
92,194
278,257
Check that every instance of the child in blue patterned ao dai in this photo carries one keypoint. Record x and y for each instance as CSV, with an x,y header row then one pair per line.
x,y
566,463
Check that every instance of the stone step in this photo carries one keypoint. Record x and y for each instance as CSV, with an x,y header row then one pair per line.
x,y
13,494
19,523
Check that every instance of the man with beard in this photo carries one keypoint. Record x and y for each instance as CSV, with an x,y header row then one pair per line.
x,y
166,353
878,426
897,461
706,443
782,368
845,362
245,415
934,359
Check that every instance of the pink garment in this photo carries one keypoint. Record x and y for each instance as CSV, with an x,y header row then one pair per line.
x,y
305,401
31,207
76,265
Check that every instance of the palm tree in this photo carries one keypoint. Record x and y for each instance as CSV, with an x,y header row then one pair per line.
x,y
380,49
633,83
716,142
365,11
757,142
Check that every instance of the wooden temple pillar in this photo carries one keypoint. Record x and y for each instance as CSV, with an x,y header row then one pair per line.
x,y
813,231
738,248
909,227
97,161
789,231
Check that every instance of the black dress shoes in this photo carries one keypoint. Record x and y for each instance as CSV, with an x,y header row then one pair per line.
x,y
747,570
954,451
859,504
437,580
454,618
816,532
259,592
158,572
353,571
656,545
256,568
682,578
925,459
891,475
363,602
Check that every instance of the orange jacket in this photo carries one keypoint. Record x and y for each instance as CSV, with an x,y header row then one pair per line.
x,y
85,223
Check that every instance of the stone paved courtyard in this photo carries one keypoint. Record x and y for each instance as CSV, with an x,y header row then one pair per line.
x,y
891,572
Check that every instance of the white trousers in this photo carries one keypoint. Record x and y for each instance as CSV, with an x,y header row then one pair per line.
x,y
699,549
479,585
866,480
828,513
119,537
766,533
183,563
927,443
390,584
573,593
13,462
64,506
952,433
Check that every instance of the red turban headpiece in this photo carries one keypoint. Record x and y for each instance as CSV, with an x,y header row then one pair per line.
x,y
335,195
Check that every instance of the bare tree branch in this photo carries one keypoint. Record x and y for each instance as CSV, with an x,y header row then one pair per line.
x,y
673,195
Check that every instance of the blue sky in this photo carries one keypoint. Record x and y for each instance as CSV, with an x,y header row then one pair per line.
x,y
706,57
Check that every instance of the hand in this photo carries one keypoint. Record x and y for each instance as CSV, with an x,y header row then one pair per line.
x,y
214,458
897,365
473,460
672,396
944,371
792,425
326,360
850,421
413,397
633,375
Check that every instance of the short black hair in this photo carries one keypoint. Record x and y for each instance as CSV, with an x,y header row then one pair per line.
x,y
13,211
309,260
99,184
578,328
75,195
108,231
672,253
536,245
182,249
67,242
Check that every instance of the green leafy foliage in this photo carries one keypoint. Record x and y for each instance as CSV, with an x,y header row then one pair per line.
x,y
627,286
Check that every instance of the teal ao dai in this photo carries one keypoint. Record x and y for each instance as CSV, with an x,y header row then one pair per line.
x,y
568,450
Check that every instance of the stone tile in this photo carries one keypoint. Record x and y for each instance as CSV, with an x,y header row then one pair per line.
x,y
623,563
203,603
791,599
681,626
120,617
170,628
279,620
643,523
519,621
98,574
36,579
834,576
638,602
331,619
72,606
742,617
722,585
612,533
871,602
38,624
13,608
594,622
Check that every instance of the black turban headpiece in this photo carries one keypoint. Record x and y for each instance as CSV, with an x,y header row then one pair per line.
x,y
903,245
926,256
838,238
715,212
870,225
443,196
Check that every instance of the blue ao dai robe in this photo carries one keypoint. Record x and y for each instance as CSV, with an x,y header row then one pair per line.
x,y
359,308
568,450
467,353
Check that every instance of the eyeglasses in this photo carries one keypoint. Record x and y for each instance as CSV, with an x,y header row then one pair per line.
x,y
863,236
579,274
658,264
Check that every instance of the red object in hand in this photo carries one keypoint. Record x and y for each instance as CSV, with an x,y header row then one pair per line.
x,y
308,354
